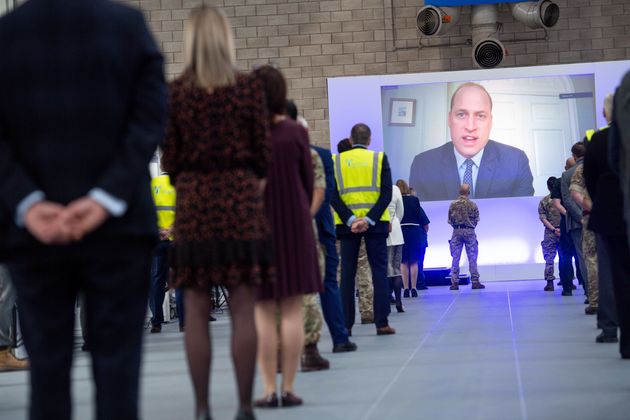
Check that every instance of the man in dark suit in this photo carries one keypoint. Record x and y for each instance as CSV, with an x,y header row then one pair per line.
x,y
330,298
607,221
364,191
492,169
82,110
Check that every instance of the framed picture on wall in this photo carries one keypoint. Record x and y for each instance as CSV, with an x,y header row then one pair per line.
x,y
402,112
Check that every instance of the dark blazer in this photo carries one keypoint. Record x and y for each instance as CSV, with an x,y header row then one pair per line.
x,y
376,211
324,217
83,106
503,172
603,187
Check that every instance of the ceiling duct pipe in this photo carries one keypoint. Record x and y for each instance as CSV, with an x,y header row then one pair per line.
x,y
488,51
535,15
434,21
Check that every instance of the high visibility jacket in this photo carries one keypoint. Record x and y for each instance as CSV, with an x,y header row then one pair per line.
x,y
164,199
591,132
358,175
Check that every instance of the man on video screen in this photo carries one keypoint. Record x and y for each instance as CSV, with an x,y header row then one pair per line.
x,y
492,169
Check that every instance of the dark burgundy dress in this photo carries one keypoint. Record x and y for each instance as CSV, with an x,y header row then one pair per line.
x,y
217,149
287,201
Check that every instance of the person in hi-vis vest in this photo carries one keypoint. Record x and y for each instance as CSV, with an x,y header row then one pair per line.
x,y
364,190
164,198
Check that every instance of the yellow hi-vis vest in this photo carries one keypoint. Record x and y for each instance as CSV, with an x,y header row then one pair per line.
x,y
164,199
358,175
590,132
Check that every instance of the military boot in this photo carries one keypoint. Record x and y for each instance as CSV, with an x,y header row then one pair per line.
x,y
312,360
9,362
454,286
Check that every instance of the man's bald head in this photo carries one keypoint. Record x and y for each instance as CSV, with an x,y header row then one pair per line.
x,y
464,189
570,163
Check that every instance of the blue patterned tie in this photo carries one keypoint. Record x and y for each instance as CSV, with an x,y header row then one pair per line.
x,y
468,175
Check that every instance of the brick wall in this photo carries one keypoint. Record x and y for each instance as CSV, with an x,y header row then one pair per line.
x,y
313,40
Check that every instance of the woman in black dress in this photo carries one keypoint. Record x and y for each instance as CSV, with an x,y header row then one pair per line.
x,y
415,225
287,203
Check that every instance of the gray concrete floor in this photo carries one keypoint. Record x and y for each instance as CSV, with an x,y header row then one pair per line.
x,y
510,351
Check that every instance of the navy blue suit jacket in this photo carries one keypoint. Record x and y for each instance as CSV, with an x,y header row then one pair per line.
x,y
324,217
503,172
83,106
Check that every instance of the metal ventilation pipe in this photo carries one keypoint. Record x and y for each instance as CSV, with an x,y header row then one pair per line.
x,y
542,14
487,51
434,21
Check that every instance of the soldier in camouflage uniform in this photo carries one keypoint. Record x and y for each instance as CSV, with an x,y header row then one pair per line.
x,y
364,285
311,310
581,196
550,218
463,215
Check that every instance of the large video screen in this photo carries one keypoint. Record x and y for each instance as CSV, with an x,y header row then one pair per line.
x,y
537,114
515,131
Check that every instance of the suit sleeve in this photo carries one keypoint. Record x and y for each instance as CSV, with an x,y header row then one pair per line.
x,y
574,210
339,206
145,127
385,197
591,169
524,182
15,183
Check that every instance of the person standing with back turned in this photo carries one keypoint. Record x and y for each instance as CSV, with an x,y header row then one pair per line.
x,y
463,215
82,111
364,183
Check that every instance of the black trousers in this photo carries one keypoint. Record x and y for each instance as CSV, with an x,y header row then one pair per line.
x,y
619,255
114,278
607,309
376,247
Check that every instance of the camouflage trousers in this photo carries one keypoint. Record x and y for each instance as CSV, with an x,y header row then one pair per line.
x,y
460,238
550,245
7,300
589,249
363,282
313,320
311,309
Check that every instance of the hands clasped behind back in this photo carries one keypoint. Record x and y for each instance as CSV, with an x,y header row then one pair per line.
x,y
54,224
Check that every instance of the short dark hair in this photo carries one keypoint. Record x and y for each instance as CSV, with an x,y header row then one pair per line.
x,y
550,182
360,134
275,88
292,110
578,149
344,145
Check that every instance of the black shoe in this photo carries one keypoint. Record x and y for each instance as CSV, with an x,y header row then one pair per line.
x,y
590,310
406,293
559,283
85,347
289,399
399,308
414,293
606,338
268,401
586,301
625,355
567,293
156,328
392,301
211,318
344,347
242,415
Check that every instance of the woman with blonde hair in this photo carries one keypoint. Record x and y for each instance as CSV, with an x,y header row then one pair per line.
x,y
217,152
